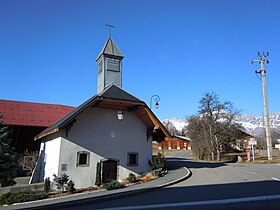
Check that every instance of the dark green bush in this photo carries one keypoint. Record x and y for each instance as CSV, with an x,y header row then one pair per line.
x,y
3,198
70,187
131,178
22,196
158,162
159,165
61,181
113,185
47,185
98,174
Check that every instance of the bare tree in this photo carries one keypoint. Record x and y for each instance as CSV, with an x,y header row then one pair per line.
x,y
29,160
197,133
213,128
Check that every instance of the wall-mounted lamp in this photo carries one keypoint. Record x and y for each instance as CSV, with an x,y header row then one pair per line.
x,y
120,115
157,105
157,99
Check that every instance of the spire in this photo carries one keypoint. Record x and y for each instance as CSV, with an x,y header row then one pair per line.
x,y
110,49
109,63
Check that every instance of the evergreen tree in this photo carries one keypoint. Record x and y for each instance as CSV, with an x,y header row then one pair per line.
x,y
98,174
8,160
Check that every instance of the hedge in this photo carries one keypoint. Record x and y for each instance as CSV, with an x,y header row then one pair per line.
x,y
22,196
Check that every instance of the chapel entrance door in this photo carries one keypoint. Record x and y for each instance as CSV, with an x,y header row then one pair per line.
x,y
109,170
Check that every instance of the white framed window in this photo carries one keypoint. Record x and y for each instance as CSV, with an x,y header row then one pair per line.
x,y
82,159
132,159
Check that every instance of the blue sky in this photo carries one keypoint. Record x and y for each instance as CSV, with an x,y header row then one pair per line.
x,y
177,49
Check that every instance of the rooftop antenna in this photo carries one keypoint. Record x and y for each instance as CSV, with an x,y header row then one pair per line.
x,y
110,26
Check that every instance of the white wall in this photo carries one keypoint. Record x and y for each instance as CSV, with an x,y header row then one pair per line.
x,y
52,150
99,132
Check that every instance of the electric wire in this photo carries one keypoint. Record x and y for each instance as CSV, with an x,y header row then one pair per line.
x,y
238,84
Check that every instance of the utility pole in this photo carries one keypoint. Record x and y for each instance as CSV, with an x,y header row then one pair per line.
x,y
262,60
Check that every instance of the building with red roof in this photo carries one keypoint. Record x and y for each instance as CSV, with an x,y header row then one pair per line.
x,y
28,119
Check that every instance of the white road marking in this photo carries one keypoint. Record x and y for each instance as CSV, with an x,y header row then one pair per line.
x,y
200,203
250,172
275,178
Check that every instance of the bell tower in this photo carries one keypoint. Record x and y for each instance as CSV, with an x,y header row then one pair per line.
x,y
109,63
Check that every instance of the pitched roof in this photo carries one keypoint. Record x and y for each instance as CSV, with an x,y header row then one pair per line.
x,y
110,48
31,114
115,92
112,98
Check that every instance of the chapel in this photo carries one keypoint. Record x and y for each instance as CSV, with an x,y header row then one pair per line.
x,y
113,129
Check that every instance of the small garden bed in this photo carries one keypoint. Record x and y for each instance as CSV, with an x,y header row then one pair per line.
x,y
66,186
25,196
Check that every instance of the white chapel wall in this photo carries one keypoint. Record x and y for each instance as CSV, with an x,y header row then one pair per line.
x,y
99,132
52,151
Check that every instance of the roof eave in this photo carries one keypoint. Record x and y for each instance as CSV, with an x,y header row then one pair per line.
x,y
43,134
157,122
67,120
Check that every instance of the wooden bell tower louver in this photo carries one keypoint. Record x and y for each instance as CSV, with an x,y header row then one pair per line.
x,y
109,66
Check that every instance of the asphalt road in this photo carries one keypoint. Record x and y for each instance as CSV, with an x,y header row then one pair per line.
x,y
211,186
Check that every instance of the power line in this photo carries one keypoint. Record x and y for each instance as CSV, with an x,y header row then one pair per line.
x,y
238,83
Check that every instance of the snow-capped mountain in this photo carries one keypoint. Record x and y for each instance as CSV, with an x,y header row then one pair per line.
x,y
176,126
253,124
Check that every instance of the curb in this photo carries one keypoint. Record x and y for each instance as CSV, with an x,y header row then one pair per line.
x,y
103,198
188,175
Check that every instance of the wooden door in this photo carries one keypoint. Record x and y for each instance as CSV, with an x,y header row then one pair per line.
x,y
109,170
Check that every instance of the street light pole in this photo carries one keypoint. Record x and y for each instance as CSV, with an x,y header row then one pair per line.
x,y
157,99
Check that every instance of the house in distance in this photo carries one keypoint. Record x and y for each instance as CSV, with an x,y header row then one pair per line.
x,y
113,128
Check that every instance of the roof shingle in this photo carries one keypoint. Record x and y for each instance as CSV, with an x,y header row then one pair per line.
x,y
31,114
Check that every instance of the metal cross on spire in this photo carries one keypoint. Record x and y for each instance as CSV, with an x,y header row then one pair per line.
x,y
110,26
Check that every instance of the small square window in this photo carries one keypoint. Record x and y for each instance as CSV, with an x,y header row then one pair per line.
x,y
132,159
83,158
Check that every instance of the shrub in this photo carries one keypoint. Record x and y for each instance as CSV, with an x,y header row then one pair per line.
x,y
22,196
61,181
98,174
113,185
70,187
158,162
159,165
131,178
47,185
3,198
